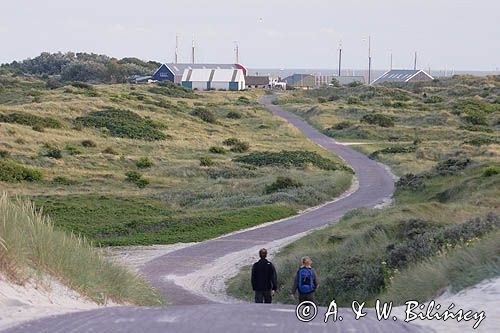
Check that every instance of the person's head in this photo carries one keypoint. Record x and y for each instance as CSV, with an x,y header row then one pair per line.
x,y
262,253
306,261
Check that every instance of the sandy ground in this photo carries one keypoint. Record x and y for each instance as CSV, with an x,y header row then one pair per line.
x,y
38,298
484,296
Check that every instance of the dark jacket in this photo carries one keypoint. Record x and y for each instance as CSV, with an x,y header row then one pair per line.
x,y
296,280
264,276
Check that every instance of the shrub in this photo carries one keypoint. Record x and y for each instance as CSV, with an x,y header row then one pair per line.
x,y
288,159
61,180
133,176
393,150
230,141
142,183
110,151
282,183
491,170
233,115
52,83
354,84
240,147
322,100
53,152
479,141
243,100
123,124
411,181
476,118
82,85
340,126
433,99
38,128
476,128
378,119
353,100
30,120
217,150
167,88
72,150
204,114
206,161
452,165
88,144
13,172
144,163
4,153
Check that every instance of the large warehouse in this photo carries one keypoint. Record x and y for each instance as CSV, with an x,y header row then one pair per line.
x,y
213,79
174,72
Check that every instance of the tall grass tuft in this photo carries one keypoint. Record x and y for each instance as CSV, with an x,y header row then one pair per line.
x,y
29,243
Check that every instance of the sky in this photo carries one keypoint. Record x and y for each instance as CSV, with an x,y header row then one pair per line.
x,y
453,34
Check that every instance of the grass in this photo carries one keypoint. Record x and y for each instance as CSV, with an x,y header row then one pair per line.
x,y
113,132
434,237
30,246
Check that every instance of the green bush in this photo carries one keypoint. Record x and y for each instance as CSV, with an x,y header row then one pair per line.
x,y
353,100
288,159
206,161
38,128
240,147
393,150
476,128
452,165
491,170
89,144
110,151
322,100
479,141
72,150
217,150
243,100
204,114
378,119
142,183
61,180
411,181
282,183
53,152
123,124
144,163
340,126
4,153
167,88
433,99
233,115
230,141
30,120
133,176
13,172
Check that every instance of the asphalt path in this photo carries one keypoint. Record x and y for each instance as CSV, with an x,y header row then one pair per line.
x,y
192,312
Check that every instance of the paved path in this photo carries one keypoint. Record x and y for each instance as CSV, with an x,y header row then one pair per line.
x,y
194,313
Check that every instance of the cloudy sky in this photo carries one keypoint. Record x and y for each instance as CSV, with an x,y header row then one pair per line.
x,y
459,34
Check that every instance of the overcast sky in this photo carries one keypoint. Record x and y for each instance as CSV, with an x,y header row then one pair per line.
x,y
459,34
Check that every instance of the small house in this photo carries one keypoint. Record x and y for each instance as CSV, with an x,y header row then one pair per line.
x,y
213,79
403,75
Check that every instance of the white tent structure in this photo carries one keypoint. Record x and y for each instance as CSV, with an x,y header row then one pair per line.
x,y
213,79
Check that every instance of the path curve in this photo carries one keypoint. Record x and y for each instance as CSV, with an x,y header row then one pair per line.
x,y
192,312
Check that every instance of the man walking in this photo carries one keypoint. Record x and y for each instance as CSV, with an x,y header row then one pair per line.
x,y
264,279
306,281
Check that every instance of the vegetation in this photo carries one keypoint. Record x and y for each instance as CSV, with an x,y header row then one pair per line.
x,y
441,233
29,120
282,183
204,114
144,163
13,172
52,252
123,124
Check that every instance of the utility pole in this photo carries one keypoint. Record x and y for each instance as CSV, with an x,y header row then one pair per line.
x,y
415,64
176,48
340,58
369,59
237,52
192,51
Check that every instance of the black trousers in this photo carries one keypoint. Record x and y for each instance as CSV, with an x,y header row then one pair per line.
x,y
306,297
263,296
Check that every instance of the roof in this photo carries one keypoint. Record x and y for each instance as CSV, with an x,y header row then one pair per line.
x,y
178,69
400,75
257,80
292,79
212,75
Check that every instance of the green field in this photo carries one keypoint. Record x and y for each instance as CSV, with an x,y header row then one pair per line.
x,y
125,164
441,233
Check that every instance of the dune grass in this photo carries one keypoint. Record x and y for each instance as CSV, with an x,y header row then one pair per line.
x,y
30,247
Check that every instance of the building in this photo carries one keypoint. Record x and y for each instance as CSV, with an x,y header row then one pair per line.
x,y
325,80
174,72
254,81
213,79
139,79
304,81
403,75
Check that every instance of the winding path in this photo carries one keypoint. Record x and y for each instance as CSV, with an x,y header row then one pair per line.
x,y
195,313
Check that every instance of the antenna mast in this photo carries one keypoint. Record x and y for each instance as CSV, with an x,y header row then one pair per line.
x,y
369,59
391,60
237,52
340,58
415,64
176,48
192,51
